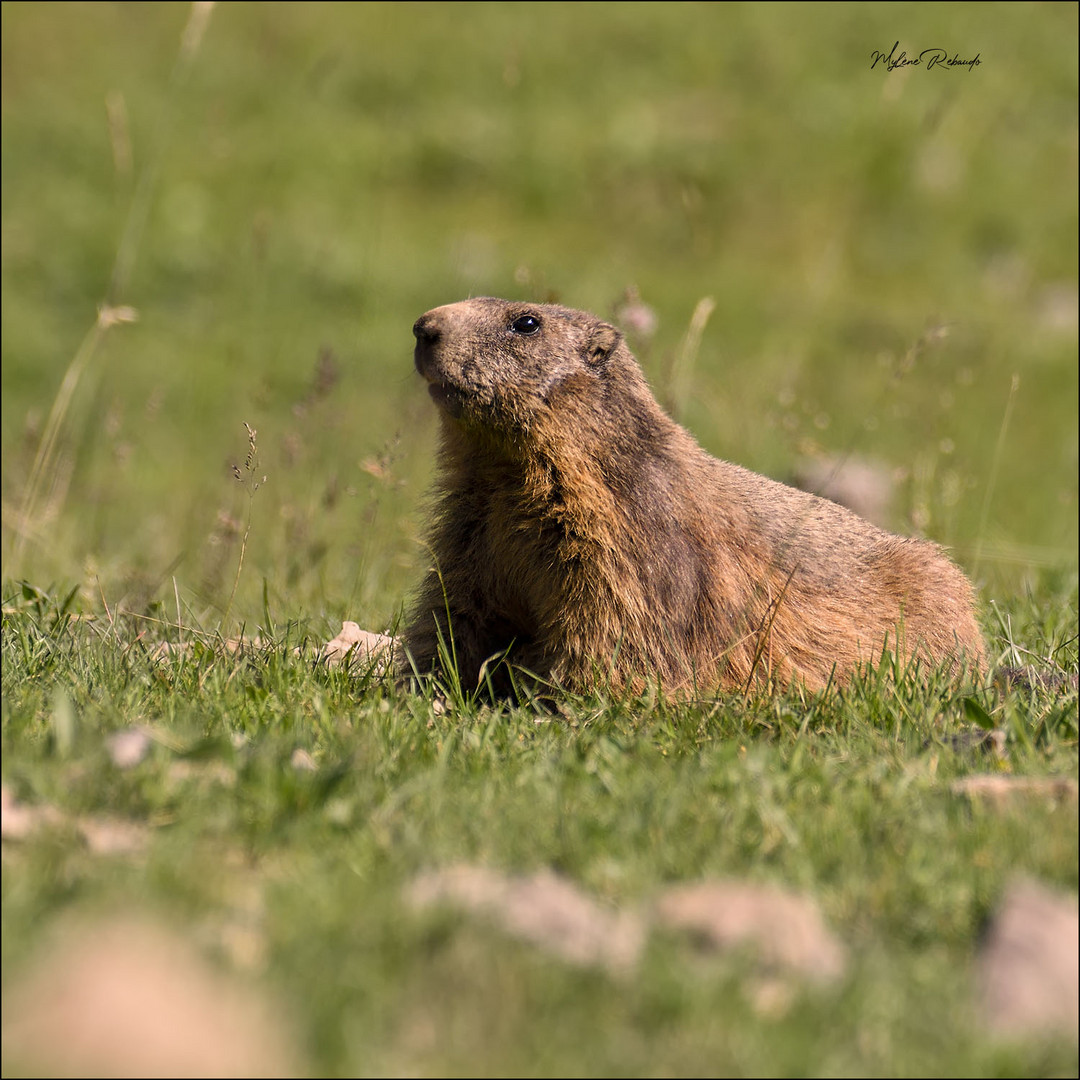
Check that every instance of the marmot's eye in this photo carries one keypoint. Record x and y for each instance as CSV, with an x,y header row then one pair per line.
x,y
525,324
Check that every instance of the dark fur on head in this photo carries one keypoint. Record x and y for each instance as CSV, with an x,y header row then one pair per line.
x,y
580,532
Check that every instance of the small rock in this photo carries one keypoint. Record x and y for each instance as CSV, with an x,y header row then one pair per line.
x,y
786,929
103,835
112,836
1004,789
544,909
128,748
18,821
212,772
1027,968
165,650
356,646
302,761
129,998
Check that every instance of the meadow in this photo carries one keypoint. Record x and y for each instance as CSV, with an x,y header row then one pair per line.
x,y
223,219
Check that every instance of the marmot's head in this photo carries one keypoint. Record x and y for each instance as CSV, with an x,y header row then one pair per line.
x,y
499,363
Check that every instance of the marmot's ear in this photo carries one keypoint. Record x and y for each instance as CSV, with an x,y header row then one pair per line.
x,y
603,340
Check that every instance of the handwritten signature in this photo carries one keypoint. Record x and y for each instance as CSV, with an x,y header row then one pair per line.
x,y
928,58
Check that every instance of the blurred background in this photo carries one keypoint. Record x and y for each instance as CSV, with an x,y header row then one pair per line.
x,y
819,263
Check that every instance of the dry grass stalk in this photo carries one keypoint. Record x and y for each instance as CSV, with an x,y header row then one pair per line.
x,y
247,478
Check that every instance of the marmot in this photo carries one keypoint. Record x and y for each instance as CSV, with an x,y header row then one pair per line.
x,y
582,535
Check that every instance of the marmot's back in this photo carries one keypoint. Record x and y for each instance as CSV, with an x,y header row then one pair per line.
x,y
583,535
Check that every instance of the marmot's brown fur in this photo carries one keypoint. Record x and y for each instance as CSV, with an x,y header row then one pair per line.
x,y
581,534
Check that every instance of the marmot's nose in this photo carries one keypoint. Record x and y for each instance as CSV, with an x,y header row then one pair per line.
x,y
426,330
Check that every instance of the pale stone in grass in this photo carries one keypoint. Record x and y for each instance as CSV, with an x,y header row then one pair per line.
x,y
1028,969
18,821
360,647
102,835
112,836
128,998
302,761
165,650
1003,790
786,930
128,748
210,772
542,908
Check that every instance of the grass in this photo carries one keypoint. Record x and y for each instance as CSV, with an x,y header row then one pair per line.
x,y
846,797
840,261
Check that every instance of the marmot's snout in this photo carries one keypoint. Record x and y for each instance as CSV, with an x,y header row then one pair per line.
x,y
425,329
427,333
